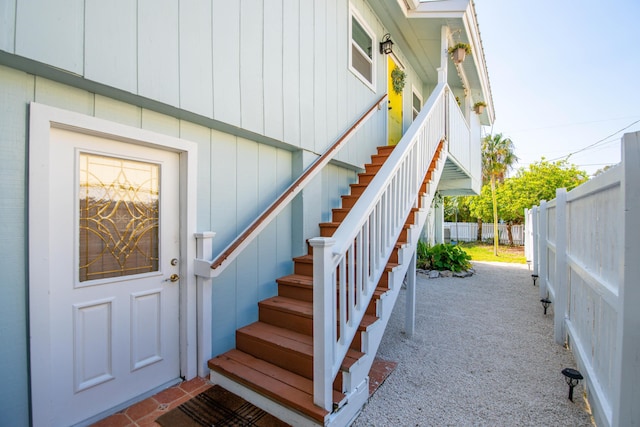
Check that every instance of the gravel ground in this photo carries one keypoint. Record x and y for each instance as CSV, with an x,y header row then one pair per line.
x,y
483,354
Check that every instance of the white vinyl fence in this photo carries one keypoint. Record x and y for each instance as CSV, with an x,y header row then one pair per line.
x,y
468,232
585,250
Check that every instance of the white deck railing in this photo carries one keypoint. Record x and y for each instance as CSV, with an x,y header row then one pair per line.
x,y
586,253
459,136
348,266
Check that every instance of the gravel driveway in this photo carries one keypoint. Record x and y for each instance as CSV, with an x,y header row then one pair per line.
x,y
483,354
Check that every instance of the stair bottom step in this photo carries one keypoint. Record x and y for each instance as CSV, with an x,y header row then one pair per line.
x,y
280,385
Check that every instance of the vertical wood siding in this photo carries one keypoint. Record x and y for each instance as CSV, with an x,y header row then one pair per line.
x,y
278,69
237,178
16,91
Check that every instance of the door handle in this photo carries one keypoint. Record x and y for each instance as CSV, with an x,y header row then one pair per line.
x,y
173,278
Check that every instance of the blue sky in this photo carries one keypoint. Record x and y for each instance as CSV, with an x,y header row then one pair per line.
x,y
564,74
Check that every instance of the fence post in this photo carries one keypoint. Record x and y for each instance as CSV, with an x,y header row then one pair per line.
x,y
324,304
543,249
626,381
534,227
562,282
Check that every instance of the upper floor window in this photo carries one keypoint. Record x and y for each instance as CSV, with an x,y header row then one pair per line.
x,y
416,103
361,54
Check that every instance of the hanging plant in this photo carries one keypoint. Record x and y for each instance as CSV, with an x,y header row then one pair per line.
x,y
398,78
479,107
458,52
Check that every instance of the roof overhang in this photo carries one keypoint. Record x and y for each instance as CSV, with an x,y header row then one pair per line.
x,y
416,27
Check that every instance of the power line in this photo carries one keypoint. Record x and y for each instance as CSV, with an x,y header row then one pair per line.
x,y
595,143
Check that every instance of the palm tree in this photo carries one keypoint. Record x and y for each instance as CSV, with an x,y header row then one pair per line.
x,y
497,158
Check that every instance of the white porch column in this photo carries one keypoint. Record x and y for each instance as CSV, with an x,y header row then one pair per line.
x,y
410,319
438,222
204,251
562,279
443,69
626,394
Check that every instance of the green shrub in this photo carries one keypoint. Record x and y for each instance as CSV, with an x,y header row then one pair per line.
x,y
442,257
422,254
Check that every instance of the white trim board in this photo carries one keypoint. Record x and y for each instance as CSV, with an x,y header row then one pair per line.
x,y
42,119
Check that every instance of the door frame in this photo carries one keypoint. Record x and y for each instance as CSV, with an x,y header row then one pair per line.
x,y
41,119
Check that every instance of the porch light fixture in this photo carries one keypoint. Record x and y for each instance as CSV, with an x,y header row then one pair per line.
x,y
572,377
546,302
385,44
535,278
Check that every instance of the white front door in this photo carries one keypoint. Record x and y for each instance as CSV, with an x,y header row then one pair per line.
x,y
114,273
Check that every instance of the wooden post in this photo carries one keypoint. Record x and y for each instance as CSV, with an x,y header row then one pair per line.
x,y
324,337
543,249
204,250
410,319
562,281
626,381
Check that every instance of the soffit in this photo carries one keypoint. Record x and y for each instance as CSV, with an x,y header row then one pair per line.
x,y
417,33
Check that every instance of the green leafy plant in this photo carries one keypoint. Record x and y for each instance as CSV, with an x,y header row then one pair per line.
x,y
479,104
398,77
422,255
465,46
445,256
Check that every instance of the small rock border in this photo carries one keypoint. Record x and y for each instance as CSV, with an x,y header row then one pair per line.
x,y
435,274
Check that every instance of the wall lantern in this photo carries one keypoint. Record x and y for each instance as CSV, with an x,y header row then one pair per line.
x,y
385,44
546,302
572,377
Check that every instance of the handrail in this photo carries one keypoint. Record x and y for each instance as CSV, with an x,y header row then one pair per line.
x,y
347,266
234,248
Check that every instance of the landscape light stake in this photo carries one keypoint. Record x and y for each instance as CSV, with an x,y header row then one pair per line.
x,y
572,377
535,278
546,302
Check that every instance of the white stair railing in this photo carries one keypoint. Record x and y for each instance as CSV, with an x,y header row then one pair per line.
x,y
348,266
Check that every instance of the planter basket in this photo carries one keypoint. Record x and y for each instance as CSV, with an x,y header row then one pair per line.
x,y
479,109
459,55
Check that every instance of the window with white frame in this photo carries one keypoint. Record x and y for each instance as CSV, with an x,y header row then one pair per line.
x,y
361,54
416,103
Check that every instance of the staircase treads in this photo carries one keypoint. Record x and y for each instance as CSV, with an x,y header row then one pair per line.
x,y
358,188
339,214
281,343
289,305
276,383
296,286
365,177
289,313
385,149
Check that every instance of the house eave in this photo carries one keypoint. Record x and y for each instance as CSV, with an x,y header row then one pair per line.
x,y
416,28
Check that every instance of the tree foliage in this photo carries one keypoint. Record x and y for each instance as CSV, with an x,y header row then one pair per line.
x,y
526,189
498,156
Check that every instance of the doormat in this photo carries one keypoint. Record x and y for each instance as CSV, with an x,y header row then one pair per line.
x,y
218,407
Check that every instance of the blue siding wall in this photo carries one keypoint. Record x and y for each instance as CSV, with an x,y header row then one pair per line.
x,y
237,179
16,92
232,76
279,70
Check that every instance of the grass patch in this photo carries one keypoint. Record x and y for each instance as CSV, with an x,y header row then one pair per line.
x,y
484,252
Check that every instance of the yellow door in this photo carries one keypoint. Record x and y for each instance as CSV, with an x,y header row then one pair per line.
x,y
395,106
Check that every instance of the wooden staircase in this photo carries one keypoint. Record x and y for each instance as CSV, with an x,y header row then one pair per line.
x,y
273,358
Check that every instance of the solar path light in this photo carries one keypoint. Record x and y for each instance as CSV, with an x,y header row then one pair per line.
x,y
572,377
